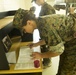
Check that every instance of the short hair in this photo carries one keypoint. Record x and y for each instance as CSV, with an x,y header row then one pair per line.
x,y
29,16
33,8
21,17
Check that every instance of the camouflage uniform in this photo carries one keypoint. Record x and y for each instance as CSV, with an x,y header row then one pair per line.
x,y
46,9
67,63
55,29
56,24
25,37
18,17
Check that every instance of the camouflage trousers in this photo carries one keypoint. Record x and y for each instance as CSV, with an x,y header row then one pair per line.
x,y
67,63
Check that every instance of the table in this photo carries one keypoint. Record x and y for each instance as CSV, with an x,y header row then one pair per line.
x,y
16,47
5,21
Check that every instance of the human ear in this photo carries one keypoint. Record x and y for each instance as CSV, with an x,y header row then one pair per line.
x,y
28,22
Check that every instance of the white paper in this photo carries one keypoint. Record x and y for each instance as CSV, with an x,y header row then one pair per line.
x,y
25,60
20,66
11,57
25,55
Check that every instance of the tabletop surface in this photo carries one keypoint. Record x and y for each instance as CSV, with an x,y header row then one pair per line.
x,y
16,47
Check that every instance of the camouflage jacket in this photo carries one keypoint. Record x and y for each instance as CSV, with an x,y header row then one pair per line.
x,y
46,9
56,28
67,63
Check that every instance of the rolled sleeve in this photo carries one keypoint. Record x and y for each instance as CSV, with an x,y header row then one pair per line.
x,y
59,48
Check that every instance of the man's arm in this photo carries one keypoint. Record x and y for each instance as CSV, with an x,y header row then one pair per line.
x,y
53,51
72,10
41,42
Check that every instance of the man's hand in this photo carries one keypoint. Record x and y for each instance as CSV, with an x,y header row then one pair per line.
x,y
36,55
72,10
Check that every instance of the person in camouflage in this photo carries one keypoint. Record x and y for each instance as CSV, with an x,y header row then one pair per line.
x,y
55,31
46,9
67,63
27,37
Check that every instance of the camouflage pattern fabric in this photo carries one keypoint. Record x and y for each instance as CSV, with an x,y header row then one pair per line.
x,y
67,63
64,26
55,29
46,9
18,17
